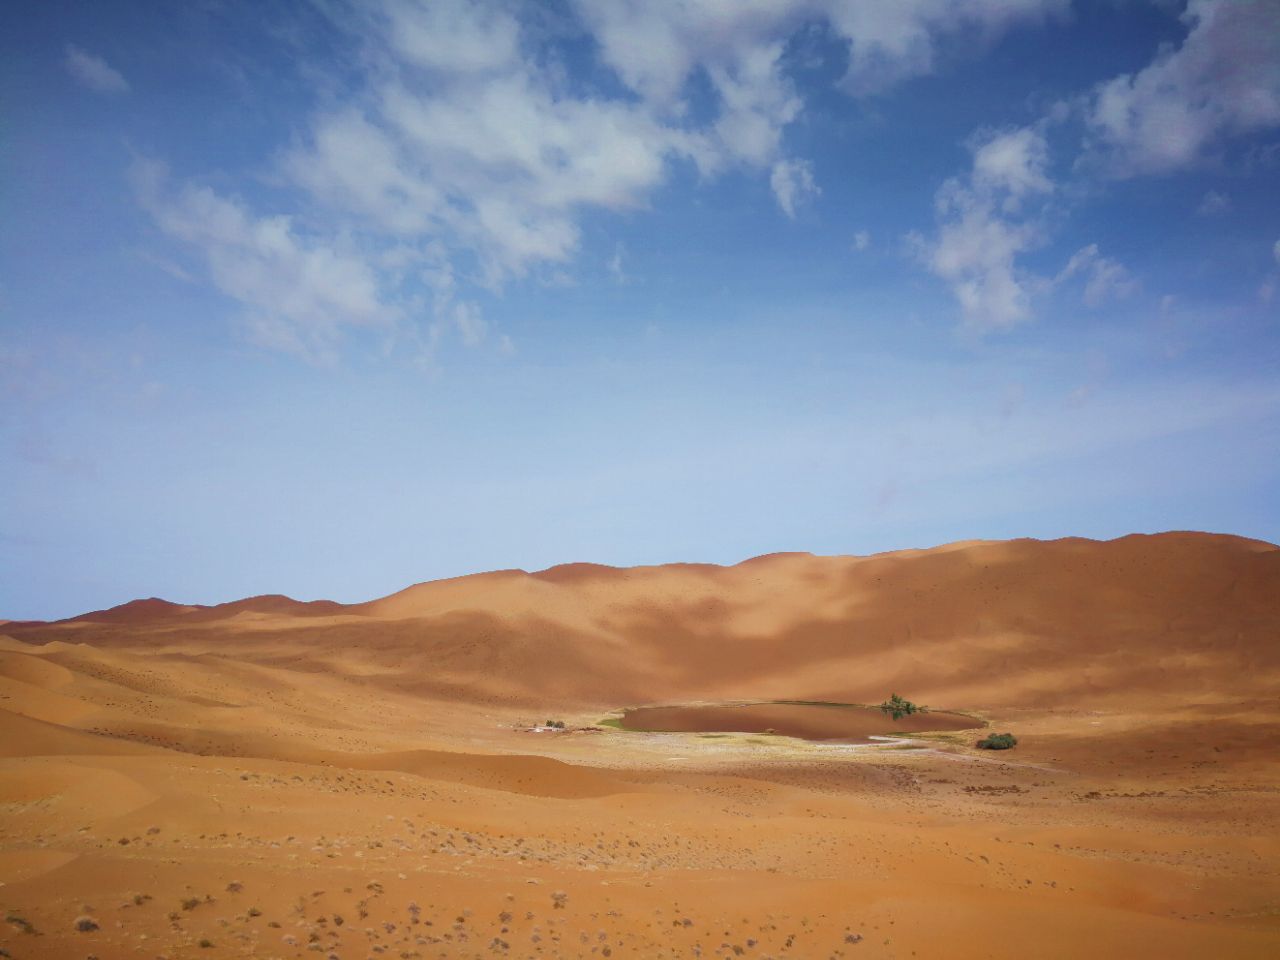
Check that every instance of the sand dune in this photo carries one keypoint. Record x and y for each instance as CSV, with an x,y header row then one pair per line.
x,y
244,774
1023,622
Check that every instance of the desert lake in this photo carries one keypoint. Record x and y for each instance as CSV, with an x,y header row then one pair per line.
x,y
844,722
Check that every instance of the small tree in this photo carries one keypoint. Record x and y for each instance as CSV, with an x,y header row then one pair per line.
x,y
898,708
998,741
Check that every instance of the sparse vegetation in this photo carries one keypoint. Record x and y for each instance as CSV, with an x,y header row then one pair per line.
x,y
22,923
998,741
897,707
555,724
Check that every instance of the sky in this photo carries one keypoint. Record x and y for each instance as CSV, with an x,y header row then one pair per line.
x,y
327,298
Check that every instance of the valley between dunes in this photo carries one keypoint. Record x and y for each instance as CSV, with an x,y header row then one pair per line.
x,y
270,778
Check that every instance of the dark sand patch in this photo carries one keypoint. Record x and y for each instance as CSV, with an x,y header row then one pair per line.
x,y
842,722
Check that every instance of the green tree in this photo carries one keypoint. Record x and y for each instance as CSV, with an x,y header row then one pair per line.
x,y
898,708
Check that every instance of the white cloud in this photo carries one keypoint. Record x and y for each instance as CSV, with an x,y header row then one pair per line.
x,y
470,323
1213,203
452,37
615,266
1267,289
862,241
1221,81
298,293
465,147
792,183
1105,279
979,240
1013,162
654,46
892,41
94,72
352,164
496,167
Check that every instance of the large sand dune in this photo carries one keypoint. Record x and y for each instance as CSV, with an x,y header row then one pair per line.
x,y
247,773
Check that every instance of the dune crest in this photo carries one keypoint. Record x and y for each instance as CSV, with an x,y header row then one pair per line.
x,y
1025,621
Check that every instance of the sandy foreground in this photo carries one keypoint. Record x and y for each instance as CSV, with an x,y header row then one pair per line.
x,y
275,779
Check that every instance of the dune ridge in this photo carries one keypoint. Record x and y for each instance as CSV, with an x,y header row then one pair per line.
x,y
1032,622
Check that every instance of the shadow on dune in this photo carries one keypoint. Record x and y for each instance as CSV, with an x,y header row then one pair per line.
x,y
1021,622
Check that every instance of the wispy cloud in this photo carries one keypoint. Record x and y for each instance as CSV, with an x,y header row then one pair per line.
x,y
792,182
298,293
616,267
94,72
1213,204
1105,279
1221,81
463,147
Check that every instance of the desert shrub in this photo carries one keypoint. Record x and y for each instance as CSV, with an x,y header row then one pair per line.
x,y
556,724
22,923
86,924
998,741
898,708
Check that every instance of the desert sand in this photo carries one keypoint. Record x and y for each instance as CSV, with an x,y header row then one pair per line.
x,y
270,778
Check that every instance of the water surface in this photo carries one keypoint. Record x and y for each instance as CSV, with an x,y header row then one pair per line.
x,y
846,723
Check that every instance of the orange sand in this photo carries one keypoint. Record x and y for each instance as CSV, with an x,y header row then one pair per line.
x,y
278,779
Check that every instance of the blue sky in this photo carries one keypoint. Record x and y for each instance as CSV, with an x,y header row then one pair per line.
x,y
327,298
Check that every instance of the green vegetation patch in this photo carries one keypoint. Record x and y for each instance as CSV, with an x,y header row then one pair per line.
x,y
897,707
998,741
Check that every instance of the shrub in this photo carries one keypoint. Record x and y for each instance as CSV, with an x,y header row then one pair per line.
x,y
86,924
998,741
555,724
22,923
898,708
